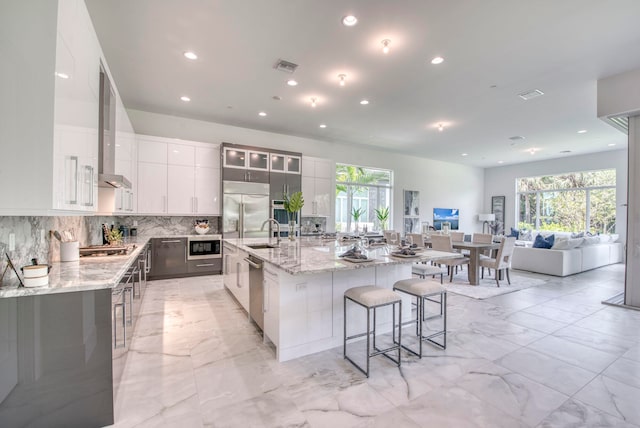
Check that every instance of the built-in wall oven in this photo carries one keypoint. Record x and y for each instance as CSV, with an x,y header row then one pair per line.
x,y
201,247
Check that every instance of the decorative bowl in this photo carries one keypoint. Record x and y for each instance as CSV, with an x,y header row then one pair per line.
x,y
200,230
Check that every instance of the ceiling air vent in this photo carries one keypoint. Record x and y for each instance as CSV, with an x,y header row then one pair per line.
x,y
286,66
516,139
534,93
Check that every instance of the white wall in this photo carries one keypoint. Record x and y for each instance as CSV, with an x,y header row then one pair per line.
x,y
441,184
502,180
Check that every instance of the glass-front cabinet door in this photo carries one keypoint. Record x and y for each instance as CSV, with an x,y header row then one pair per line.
x,y
278,162
293,164
234,158
258,160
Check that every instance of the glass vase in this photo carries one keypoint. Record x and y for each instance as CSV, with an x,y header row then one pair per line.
x,y
292,230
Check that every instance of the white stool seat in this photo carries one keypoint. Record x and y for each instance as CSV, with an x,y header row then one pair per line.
x,y
370,295
419,287
421,269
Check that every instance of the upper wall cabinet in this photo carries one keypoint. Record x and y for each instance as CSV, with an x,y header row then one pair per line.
x,y
245,164
178,177
285,163
50,109
318,187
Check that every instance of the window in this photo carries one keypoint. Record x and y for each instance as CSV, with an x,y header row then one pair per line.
x,y
580,201
361,188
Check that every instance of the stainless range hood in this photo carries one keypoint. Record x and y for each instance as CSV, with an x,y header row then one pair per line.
x,y
107,137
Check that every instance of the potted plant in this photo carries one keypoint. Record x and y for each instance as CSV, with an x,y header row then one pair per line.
x,y
356,213
114,237
292,205
383,217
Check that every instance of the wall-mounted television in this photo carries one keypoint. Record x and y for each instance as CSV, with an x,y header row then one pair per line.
x,y
451,215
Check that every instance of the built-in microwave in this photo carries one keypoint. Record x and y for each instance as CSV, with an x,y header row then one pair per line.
x,y
280,214
204,247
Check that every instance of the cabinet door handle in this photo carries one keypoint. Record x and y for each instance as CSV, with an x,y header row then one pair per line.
x,y
238,275
205,265
265,296
164,204
170,241
196,201
249,174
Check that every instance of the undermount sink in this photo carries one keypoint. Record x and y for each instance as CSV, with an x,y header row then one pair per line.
x,y
261,246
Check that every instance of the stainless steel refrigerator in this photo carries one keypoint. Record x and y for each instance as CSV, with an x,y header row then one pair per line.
x,y
245,207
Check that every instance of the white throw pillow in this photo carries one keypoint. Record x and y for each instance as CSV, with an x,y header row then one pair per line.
x,y
590,240
566,243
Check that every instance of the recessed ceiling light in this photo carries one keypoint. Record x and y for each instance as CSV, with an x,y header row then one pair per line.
x,y
349,20
292,82
342,78
532,151
500,161
611,144
262,114
364,102
313,101
322,125
62,75
185,99
464,154
582,131
385,46
440,127
437,60
190,55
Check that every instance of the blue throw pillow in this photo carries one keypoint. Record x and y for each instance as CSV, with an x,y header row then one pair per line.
x,y
514,233
542,242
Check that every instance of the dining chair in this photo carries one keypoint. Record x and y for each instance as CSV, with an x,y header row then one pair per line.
x,y
391,236
416,238
502,260
444,243
458,237
483,238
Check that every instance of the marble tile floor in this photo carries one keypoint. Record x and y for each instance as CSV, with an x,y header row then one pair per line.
x,y
547,356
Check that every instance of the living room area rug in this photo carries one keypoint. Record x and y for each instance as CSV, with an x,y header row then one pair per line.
x,y
487,287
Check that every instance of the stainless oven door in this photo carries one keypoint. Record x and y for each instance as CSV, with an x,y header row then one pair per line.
x,y
200,249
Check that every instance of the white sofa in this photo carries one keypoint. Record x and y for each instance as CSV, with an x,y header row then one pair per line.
x,y
567,262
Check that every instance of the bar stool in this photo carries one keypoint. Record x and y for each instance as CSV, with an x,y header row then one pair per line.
x,y
423,271
423,290
372,297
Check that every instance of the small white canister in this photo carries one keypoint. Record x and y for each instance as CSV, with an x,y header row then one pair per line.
x,y
69,251
35,275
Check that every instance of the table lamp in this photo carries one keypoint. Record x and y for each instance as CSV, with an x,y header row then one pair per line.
x,y
486,219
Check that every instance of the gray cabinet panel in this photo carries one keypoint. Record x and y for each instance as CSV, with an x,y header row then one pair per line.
x,y
206,266
169,257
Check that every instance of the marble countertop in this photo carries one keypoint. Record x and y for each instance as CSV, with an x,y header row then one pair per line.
x,y
314,255
88,273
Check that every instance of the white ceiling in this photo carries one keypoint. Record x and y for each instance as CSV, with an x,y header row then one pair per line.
x,y
560,47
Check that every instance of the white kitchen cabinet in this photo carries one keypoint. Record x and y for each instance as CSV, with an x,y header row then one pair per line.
x,y
236,274
207,191
317,187
181,154
192,171
152,150
126,165
180,189
271,305
152,188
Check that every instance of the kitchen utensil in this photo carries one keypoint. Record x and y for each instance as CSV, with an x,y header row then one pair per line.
x,y
57,235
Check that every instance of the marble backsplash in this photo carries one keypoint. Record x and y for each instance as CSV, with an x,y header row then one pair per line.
x,y
33,238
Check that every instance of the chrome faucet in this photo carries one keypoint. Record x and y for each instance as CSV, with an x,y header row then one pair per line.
x,y
274,221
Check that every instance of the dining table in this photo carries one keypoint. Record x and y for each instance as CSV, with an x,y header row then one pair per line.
x,y
474,248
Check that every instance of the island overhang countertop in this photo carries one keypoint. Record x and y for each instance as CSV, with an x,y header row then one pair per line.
x,y
310,255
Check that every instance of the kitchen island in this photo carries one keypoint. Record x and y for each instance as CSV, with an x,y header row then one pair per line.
x,y
56,344
303,287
